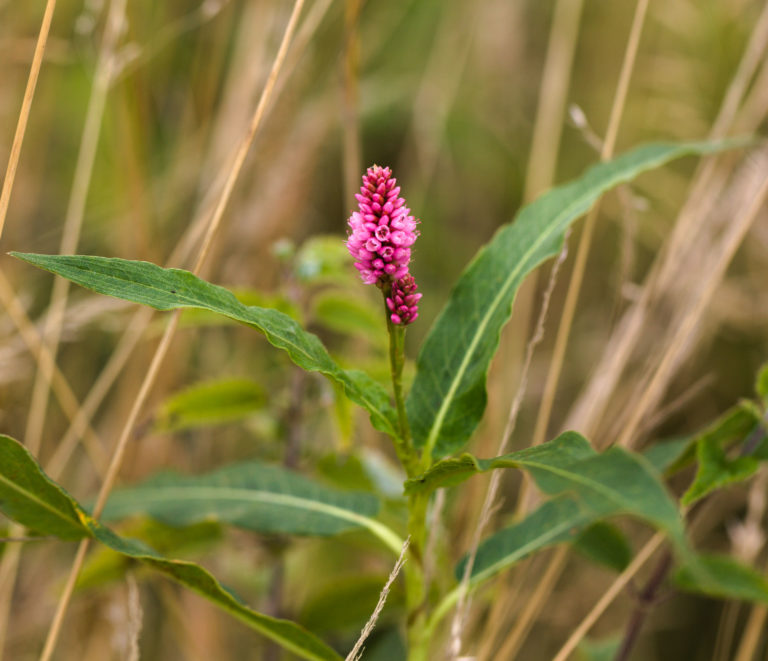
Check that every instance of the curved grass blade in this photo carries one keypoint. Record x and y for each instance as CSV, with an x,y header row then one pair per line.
x,y
253,496
448,396
170,289
34,500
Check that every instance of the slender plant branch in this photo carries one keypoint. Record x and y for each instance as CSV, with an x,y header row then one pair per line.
x,y
645,600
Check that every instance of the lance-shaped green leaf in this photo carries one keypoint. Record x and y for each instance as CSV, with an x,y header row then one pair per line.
x,y
34,500
29,497
448,396
254,496
170,289
589,486
560,519
722,576
562,451
287,634
211,403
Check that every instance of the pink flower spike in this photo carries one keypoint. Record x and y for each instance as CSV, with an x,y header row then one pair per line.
x,y
381,229
403,301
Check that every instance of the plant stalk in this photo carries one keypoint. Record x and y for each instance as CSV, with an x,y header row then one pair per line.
x,y
415,584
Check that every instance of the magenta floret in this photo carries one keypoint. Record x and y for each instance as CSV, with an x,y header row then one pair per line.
x,y
403,301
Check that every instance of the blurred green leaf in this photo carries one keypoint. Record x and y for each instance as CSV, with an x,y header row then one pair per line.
x,y
346,604
715,468
604,544
253,496
170,289
732,425
211,403
323,259
762,384
723,577
448,396
32,499
664,454
599,650
351,315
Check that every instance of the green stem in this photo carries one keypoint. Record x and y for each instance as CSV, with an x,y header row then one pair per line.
x,y
416,589
403,444
415,586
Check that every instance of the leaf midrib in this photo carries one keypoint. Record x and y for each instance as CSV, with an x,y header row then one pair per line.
x,y
43,504
177,493
443,410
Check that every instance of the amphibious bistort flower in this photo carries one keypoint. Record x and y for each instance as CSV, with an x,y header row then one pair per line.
x,y
382,230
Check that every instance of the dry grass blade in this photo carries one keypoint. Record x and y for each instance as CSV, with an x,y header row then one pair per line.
x,y
26,105
167,337
610,594
517,635
457,624
357,650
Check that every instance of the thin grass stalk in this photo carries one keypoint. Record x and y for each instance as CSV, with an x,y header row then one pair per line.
x,y
352,162
21,124
74,219
58,382
75,211
753,634
616,588
592,403
579,267
736,232
141,319
486,511
165,341
522,626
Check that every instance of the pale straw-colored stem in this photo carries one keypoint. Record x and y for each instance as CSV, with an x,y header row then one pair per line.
x,y
167,337
357,650
26,105
753,633
736,232
579,268
58,382
487,509
73,222
608,596
517,636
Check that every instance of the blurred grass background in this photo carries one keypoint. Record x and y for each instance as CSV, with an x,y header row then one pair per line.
x,y
447,93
